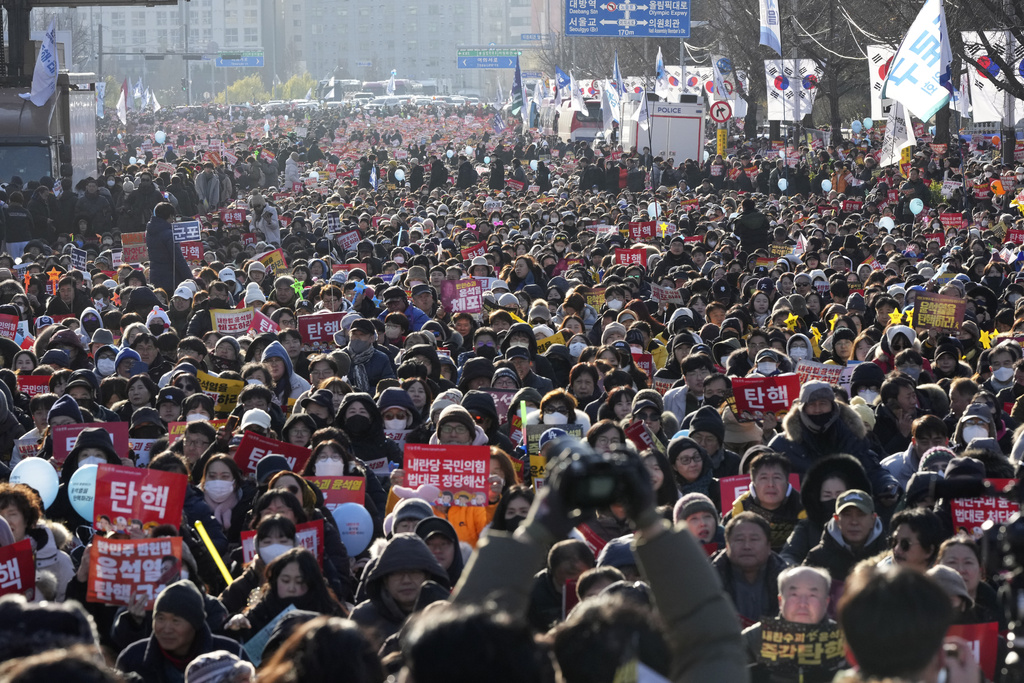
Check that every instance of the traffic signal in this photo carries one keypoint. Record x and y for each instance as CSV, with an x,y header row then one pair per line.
x,y
184,85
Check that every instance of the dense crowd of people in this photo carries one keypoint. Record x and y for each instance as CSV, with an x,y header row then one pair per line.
x,y
623,293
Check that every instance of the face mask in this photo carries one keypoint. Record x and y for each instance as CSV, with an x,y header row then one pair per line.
x,y
974,432
521,343
399,260
555,419
615,304
576,349
105,366
394,425
914,372
767,368
1003,374
512,524
218,491
820,420
357,346
269,553
714,401
92,460
1014,298
330,468
868,395
110,183
798,353
357,424
712,243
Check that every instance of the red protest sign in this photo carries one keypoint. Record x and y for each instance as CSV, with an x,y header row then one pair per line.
x,y
642,230
253,447
515,185
631,256
640,436
338,267
462,296
232,217
17,568
645,362
261,323
1014,235
8,326
120,569
340,490
735,486
970,513
64,437
460,472
318,330
33,384
133,247
129,497
952,220
937,236
852,205
192,251
984,642
478,249
249,238
502,402
766,394
310,536
348,240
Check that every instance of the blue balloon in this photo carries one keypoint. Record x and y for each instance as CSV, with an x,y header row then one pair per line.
x,y
868,123
487,160
160,137
916,205
355,526
82,490
856,126
40,476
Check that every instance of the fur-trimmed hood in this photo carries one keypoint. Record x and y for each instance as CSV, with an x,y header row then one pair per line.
x,y
793,427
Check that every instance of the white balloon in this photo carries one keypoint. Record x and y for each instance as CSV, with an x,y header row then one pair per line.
x,y
133,160
160,137
450,153
783,184
826,185
654,209
886,222
399,175
355,526
82,490
40,475
313,175
469,151
533,164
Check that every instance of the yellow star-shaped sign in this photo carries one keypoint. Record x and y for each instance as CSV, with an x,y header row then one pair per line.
x,y
791,321
896,317
54,274
986,339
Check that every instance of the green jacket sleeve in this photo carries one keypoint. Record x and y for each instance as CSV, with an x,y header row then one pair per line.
x,y
702,627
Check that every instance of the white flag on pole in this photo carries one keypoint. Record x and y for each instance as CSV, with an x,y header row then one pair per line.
x,y
920,76
897,136
44,77
662,87
122,103
771,31
577,103
641,115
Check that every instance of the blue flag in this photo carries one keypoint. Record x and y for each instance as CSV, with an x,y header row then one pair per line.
x,y
620,85
561,78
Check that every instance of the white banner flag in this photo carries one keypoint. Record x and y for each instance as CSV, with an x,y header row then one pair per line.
x,y
879,61
771,31
792,86
897,136
44,77
920,74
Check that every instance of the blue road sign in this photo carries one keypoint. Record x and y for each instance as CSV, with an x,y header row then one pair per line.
x,y
486,62
244,61
639,19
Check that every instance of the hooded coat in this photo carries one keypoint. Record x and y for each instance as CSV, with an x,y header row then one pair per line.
x,y
808,531
167,265
371,446
538,377
482,402
61,510
844,434
379,611
290,386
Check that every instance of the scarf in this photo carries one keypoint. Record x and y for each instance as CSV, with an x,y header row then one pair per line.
x,y
222,511
357,372
701,484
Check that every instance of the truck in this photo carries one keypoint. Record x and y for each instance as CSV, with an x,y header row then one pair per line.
x,y
57,139
674,129
571,125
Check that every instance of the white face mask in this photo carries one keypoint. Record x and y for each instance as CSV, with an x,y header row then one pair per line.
x,y
555,419
219,490
269,553
92,460
798,353
1003,374
576,349
767,368
974,432
399,260
330,468
394,424
105,366
868,395
615,304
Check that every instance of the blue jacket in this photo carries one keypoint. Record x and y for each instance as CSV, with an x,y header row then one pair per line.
x,y
290,385
417,318
167,265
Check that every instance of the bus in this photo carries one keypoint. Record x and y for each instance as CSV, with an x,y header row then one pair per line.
x,y
580,126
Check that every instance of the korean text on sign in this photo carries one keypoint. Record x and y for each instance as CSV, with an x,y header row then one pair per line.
x,y
120,569
310,536
340,490
938,312
17,568
64,437
970,513
317,330
230,321
253,447
224,392
628,257
462,296
766,394
460,472
128,497
799,646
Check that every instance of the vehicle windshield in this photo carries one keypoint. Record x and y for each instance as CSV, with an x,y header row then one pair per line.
x,y
30,162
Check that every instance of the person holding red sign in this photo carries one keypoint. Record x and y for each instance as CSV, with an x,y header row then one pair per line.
x,y
20,508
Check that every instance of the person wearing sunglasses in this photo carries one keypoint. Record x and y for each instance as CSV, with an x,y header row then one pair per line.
x,y
915,540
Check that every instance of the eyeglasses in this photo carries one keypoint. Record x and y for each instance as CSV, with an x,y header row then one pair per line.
x,y
904,544
650,417
449,430
324,457
556,409
693,459
607,442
